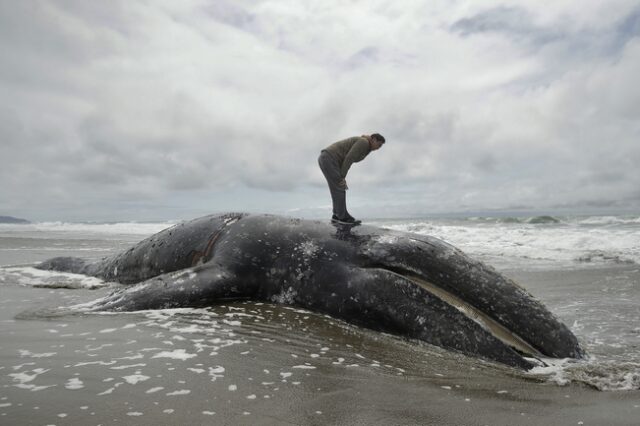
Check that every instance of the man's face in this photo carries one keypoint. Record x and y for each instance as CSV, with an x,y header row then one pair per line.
x,y
375,144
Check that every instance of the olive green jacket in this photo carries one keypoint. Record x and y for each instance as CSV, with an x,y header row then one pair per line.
x,y
349,151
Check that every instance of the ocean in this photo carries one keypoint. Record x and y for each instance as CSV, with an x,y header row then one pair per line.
x,y
258,363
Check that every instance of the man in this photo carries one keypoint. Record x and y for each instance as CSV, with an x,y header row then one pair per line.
x,y
335,161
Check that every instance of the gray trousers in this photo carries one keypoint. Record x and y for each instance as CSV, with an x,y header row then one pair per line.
x,y
331,170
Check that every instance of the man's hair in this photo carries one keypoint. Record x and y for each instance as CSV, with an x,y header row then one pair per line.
x,y
378,137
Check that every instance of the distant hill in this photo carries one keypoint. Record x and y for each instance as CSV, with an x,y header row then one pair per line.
x,y
9,219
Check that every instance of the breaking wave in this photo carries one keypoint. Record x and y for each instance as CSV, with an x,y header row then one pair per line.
x,y
539,240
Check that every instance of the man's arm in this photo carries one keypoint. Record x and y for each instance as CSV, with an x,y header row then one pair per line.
x,y
358,151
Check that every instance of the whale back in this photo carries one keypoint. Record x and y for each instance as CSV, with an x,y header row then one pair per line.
x,y
182,246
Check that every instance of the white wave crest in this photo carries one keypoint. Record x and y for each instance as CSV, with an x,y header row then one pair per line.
x,y
30,276
567,244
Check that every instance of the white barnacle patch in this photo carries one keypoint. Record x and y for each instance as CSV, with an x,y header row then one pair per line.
x,y
386,239
309,248
448,252
179,278
285,297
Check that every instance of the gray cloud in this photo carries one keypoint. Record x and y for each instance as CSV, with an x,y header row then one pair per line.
x,y
515,22
562,37
230,13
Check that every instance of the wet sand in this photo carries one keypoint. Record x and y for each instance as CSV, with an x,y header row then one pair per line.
x,y
266,364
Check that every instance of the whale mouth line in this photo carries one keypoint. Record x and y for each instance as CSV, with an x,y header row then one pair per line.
x,y
489,324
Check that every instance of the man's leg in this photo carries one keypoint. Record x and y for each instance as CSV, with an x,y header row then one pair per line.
x,y
339,198
331,173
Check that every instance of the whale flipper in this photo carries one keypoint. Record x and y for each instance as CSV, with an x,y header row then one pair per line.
x,y
192,287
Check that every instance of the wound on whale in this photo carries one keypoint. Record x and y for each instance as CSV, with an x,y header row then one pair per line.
x,y
401,283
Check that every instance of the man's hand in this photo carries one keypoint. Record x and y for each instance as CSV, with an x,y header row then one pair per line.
x,y
343,184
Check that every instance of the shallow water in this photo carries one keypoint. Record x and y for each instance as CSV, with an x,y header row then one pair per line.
x,y
248,363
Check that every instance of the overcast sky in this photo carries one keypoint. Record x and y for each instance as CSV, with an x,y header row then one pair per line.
x,y
153,110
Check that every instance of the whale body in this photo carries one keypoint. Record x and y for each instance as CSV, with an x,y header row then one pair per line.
x,y
401,283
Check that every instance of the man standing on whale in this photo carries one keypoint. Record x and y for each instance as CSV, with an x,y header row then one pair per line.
x,y
335,161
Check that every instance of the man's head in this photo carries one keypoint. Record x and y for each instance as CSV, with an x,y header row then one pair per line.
x,y
376,141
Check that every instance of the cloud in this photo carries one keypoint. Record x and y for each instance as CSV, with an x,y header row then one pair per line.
x,y
514,22
160,106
